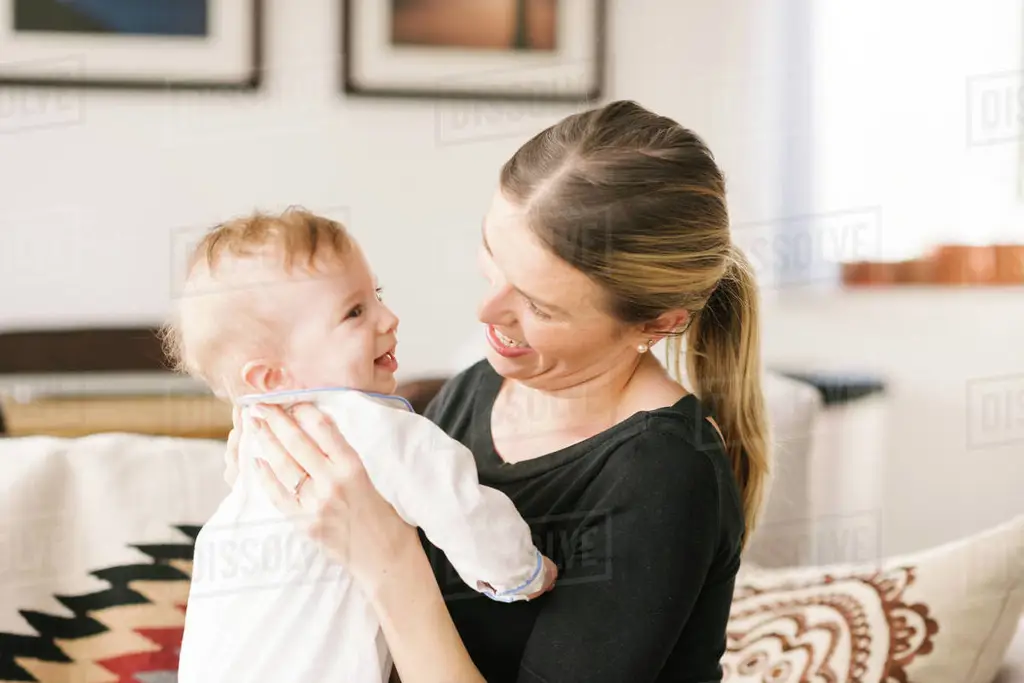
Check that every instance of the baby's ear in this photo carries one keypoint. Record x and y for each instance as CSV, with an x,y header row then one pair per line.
x,y
263,377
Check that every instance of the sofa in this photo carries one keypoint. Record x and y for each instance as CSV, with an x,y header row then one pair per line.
x,y
95,569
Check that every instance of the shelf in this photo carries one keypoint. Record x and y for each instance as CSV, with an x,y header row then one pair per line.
x,y
203,417
25,387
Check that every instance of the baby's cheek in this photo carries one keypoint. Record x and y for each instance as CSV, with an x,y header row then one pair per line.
x,y
355,364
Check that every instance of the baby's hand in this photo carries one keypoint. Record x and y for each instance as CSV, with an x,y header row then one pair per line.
x,y
550,570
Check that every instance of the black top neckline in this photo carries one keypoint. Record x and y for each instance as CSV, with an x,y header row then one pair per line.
x,y
644,522
492,460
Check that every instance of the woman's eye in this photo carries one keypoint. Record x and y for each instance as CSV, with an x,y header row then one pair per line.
x,y
536,311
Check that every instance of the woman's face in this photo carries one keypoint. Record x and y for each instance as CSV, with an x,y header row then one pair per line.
x,y
546,326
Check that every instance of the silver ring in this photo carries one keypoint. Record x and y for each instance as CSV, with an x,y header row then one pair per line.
x,y
298,485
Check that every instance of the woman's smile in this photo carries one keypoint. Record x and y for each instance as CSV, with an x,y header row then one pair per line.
x,y
505,345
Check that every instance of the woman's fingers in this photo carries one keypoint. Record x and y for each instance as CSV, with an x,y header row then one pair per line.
x,y
279,457
322,429
303,450
279,496
343,511
231,450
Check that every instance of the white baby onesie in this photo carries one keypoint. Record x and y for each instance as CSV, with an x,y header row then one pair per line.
x,y
267,605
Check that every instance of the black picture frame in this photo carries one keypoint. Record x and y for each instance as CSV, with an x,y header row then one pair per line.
x,y
350,85
251,80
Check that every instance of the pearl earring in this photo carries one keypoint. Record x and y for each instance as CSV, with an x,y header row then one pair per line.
x,y
643,348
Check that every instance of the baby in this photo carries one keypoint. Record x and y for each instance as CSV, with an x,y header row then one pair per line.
x,y
286,309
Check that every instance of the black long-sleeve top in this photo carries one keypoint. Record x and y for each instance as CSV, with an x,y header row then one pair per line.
x,y
644,521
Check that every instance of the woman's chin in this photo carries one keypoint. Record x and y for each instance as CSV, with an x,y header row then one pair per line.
x,y
518,367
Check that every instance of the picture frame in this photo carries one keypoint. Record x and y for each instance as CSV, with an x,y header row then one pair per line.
x,y
156,45
526,50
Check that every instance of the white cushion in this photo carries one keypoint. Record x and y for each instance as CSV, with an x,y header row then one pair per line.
x,y
1013,667
794,409
947,614
95,552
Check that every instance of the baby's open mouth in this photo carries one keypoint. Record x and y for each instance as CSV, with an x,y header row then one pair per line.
x,y
387,361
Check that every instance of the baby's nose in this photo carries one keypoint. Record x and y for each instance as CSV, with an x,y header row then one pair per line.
x,y
389,322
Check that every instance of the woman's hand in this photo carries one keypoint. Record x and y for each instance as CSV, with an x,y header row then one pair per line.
x,y
311,471
231,452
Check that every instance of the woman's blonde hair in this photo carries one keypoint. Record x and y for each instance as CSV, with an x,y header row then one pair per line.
x,y
636,201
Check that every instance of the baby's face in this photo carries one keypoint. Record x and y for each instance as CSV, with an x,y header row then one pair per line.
x,y
334,330
343,334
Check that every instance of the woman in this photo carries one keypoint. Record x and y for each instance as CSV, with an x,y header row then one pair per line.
x,y
609,233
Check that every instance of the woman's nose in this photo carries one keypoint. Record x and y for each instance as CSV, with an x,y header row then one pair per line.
x,y
494,309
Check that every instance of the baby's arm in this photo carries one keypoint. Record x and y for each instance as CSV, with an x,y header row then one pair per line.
x,y
431,479
478,527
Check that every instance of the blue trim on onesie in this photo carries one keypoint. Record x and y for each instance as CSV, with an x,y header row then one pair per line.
x,y
274,396
514,592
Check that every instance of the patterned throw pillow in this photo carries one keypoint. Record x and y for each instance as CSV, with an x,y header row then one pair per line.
x,y
946,614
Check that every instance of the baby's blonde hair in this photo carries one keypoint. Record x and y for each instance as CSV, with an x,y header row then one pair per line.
x,y
295,238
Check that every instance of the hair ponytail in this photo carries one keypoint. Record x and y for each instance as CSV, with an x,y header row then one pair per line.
x,y
637,203
723,358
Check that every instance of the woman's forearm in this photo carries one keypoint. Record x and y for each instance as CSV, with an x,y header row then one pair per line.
x,y
423,640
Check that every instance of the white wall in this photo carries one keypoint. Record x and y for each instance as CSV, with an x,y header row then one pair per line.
x,y
918,111
92,205
918,114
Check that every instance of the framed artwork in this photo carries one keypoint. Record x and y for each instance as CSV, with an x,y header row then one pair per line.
x,y
132,44
546,50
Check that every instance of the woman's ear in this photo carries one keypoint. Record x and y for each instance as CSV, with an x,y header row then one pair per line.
x,y
669,322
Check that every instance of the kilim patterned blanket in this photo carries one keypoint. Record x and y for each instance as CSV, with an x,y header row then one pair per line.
x,y
127,633
96,543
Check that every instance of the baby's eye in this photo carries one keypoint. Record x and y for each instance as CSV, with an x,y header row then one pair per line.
x,y
380,293
355,312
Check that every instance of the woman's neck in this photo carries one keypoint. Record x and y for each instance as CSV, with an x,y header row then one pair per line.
x,y
528,423
584,408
